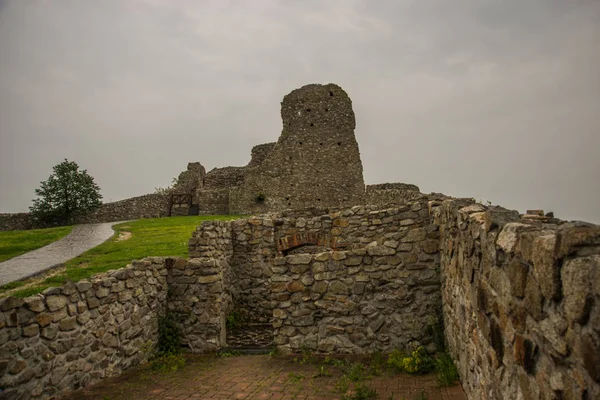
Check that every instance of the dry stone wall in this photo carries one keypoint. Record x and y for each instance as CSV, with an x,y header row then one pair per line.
x,y
221,178
254,249
214,201
146,206
255,243
202,286
77,334
190,181
358,226
74,335
373,299
15,221
521,302
519,296
390,193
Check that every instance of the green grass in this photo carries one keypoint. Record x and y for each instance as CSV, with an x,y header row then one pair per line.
x,y
15,243
149,238
446,372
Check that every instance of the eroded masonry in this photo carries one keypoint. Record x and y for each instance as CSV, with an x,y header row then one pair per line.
x,y
518,296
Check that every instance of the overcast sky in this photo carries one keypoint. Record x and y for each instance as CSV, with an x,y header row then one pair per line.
x,y
496,100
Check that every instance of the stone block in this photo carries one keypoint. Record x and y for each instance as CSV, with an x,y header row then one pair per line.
x,y
353,261
574,236
338,288
35,303
517,274
44,319
578,275
320,287
295,286
377,250
299,259
414,235
509,235
534,299
68,324
545,267
208,279
56,302
31,330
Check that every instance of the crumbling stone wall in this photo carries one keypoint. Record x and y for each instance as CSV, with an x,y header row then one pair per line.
x,y
254,248
147,206
521,300
518,294
360,301
255,243
77,334
15,221
201,287
390,193
260,153
190,181
214,201
224,178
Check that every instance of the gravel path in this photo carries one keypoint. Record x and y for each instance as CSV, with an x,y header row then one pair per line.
x,y
81,239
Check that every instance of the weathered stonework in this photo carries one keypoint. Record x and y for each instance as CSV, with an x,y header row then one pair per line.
x,y
389,193
15,221
357,301
77,334
519,295
147,206
201,288
521,301
316,159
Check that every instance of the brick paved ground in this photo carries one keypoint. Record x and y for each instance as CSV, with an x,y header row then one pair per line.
x,y
256,378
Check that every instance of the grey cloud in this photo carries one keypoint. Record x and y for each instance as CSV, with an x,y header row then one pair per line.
x,y
492,99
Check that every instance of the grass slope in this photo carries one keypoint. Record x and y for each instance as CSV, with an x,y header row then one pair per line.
x,y
16,243
149,238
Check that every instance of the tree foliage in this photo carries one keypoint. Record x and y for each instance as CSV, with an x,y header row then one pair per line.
x,y
68,192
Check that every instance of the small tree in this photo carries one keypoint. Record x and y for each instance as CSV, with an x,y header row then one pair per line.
x,y
67,193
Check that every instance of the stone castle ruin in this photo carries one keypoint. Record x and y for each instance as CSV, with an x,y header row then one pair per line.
x,y
518,296
315,162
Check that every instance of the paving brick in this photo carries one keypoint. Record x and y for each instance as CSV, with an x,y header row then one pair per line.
x,y
253,378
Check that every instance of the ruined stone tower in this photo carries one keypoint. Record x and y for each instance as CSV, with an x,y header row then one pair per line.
x,y
315,162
